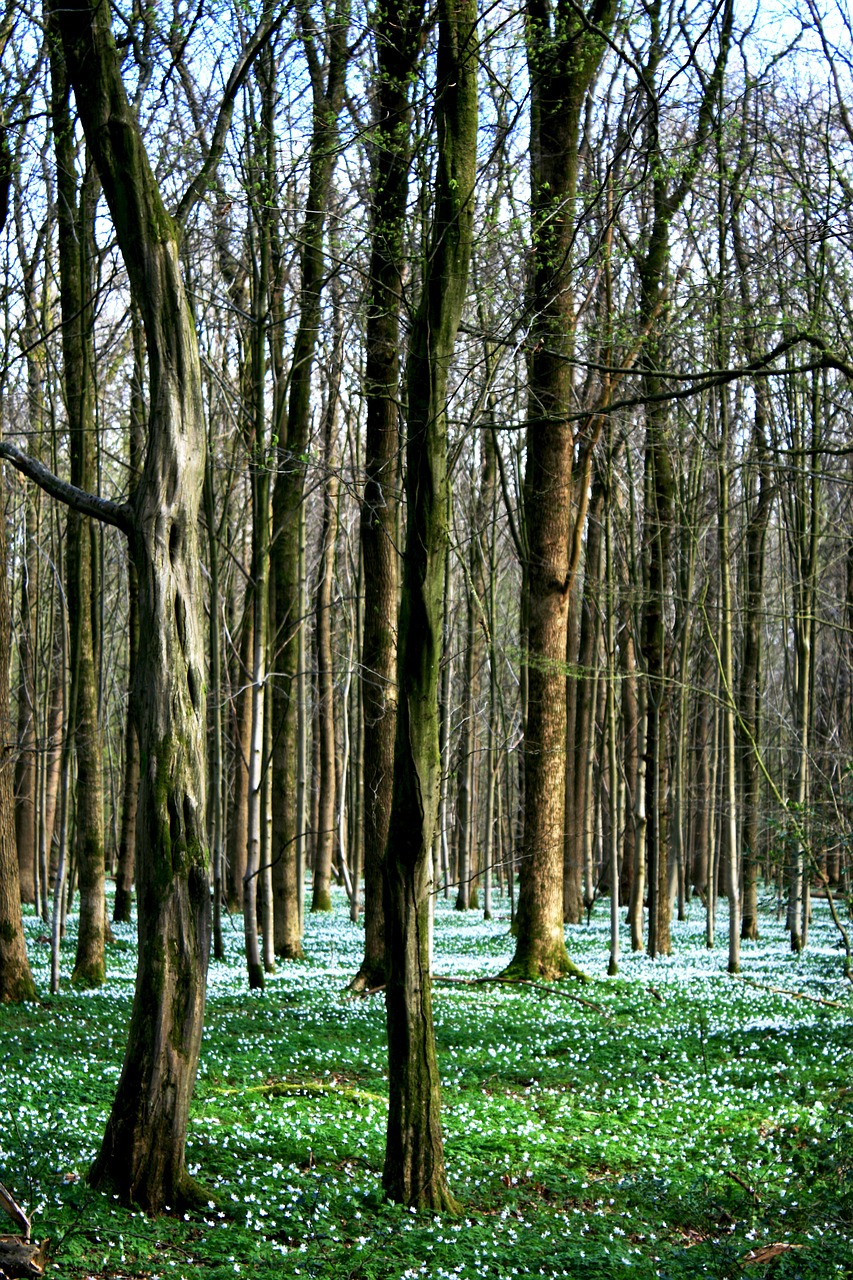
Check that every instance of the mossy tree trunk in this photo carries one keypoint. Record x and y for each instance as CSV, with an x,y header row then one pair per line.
x,y
75,217
327,62
142,1154
414,1157
564,50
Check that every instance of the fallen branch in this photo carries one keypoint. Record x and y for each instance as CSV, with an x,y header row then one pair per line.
x,y
305,1088
15,1212
795,995
20,1259
524,982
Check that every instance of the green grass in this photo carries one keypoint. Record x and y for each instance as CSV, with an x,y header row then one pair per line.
x,y
685,1124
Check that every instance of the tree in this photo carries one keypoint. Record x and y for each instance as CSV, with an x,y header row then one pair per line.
x,y
16,981
142,1154
76,223
414,1159
564,50
399,36
327,71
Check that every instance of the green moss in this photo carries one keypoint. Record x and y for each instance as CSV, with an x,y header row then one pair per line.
x,y
542,962
89,974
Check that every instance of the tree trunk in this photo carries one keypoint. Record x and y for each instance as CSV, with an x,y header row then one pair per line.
x,y
327,84
238,825
130,797
143,1151
75,217
562,66
16,980
414,1159
576,887
321,899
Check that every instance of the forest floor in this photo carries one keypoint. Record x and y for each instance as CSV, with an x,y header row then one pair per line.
x,y
671,1122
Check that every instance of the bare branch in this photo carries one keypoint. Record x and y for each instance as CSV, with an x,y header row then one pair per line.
x,y
118,514
194,192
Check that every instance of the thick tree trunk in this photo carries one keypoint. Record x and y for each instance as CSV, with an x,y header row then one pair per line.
x,y
414,1159
562,66
142,1154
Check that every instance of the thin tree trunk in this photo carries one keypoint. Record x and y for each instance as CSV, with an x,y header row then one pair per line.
x,y
130,789
75,217
414,1160
16,980
327,77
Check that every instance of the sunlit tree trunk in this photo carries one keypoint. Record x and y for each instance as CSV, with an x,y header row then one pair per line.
x,y
321,899
562,65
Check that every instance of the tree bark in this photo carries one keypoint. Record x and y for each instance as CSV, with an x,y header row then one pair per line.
x,y
327,84
130,798
562,65
75,217
16,979
414,1157
321,898
143,1151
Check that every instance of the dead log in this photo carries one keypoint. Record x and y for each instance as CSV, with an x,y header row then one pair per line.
x,y
21,1259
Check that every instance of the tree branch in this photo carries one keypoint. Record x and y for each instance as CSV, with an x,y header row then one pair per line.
x,y
265,29
118,514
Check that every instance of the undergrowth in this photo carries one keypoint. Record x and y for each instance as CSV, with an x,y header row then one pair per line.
x,y
671,1122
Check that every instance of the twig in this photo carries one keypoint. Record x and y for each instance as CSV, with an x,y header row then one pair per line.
x,y
751,1190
